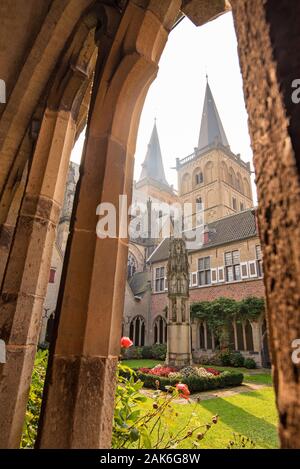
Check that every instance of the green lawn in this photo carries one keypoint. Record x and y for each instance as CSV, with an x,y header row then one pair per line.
x,y
258,376
143,363
251,414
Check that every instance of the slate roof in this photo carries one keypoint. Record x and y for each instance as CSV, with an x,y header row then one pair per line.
x,y
229,229
153,167
211,130
139,282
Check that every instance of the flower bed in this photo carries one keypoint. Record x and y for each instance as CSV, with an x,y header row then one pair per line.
x,y
196,378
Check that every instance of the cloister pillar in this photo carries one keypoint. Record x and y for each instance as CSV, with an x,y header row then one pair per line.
x,y
26,277
269,50
79,396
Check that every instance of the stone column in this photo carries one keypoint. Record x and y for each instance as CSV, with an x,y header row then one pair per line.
x,y
268,43
79,397
179,324
205,335
244,336
26,277
195,335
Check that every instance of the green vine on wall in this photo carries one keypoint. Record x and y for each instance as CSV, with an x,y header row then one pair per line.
x,y
221,312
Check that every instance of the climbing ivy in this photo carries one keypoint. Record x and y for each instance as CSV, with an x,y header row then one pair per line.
x,y
220,312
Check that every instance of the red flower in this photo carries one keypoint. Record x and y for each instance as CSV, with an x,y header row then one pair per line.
x,y
162,371
213,371
183,390
144,370
126,342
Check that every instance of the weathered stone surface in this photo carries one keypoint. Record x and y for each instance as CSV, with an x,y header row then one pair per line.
x,y
15,375
264,39
179,321
90,317
202,11
86,395
26,277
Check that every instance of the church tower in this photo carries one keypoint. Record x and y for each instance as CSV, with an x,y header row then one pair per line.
x,y
213,175
152,180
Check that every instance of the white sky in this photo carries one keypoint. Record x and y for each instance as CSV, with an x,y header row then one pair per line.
x,y
176,96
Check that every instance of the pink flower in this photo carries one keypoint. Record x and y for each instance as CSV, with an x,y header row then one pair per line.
x,y
126,342
183,390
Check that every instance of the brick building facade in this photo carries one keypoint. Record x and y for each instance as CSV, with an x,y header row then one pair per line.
x,y
217,182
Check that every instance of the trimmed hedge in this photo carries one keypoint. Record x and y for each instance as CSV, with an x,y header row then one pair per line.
x,y
194,383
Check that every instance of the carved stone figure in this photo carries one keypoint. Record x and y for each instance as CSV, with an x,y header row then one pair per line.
x,y
179,343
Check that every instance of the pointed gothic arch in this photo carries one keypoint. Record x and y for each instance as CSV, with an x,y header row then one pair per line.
x,y
160,330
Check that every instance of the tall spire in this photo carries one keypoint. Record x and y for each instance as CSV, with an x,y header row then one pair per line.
x,y
153,166
211,130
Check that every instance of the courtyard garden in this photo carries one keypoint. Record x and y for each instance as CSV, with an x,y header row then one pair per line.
x,y
161,407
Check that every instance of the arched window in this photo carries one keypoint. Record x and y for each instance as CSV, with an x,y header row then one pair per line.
x,y
240,337
137,331
232,179
231,337
201,336
208,172
209,338
199,204
160,330
185,183
224,172
131,265
247,190
249,336
198,178
239,183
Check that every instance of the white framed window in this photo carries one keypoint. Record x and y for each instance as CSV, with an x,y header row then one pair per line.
x,y
166,284
232,266
194,279
244,270
259,262
214,275
204,272
252,269
221,274
159,279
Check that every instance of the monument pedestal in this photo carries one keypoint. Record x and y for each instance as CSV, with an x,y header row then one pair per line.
x,y
179,344
179,324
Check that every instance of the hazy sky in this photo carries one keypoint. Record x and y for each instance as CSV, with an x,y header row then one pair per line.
x,y
176,96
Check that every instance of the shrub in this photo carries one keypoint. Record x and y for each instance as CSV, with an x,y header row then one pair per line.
x,y
237,359
34,400
214,360
194,382
225,358
147,351
250,363
156,351
159,351
133,352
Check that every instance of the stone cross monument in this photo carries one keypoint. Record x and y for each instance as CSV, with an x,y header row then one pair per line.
x,y
179,329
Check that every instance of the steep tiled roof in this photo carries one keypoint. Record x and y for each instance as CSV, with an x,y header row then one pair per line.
x,y
153,167
235,227
211,130
139,282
